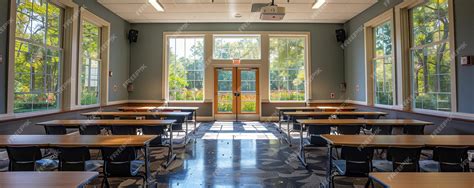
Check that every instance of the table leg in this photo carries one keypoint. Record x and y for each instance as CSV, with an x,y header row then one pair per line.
x,y
186,133
329,170
171,155
288,138
301,154
147,165
279,121
195,120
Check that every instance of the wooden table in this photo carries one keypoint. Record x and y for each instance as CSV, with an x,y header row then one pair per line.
x,y
294,115
142,114
281,110
161,108
46,179
386,141
91,141
424,180
108,123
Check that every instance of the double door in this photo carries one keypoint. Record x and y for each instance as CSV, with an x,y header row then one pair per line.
x,y
236,92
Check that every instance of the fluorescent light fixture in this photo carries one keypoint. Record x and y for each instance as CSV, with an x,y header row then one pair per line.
x,y
157,5
318,4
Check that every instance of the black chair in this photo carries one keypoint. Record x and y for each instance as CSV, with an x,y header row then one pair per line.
x,y
191,116
77,159
297,126
400,159
447,159
154,130
315,133
369,128
55,130
124,130
414,130
349,129
382,130
355,162
28,158
89,130
178,125
121,162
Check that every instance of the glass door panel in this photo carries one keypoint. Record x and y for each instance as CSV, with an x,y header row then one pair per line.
x,y
225,90
248,98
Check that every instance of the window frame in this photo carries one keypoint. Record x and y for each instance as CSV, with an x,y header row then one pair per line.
x,y
166,38
387,16
70,9
104,56
306,67
214,36
403,46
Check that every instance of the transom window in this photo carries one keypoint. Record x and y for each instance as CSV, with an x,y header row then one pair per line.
x,y
430,56
383,64
287,68
90,64
38,56
186,68
228,47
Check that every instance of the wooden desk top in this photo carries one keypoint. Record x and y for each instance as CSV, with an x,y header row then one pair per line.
x,y
137,114
380,122
425,180
400,140
318,108
356,113
76,123
74,140
46,179
149,108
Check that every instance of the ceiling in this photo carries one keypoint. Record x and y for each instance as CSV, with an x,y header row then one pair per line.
x,y
189,11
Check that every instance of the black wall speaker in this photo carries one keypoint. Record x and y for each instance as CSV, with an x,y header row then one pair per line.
x,y
133,35
341,35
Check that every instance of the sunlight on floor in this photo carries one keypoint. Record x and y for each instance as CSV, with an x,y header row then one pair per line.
x,y
239,136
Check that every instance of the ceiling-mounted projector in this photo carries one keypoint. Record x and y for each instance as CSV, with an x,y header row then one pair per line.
x,y
272,12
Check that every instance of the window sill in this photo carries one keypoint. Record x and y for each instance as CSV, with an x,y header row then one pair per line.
x,y
450,115
82,107
186,102
287,102
7,117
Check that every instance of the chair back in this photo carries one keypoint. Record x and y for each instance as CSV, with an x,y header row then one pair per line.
x,y
89,130
382,130
315,133
414,130
154,130
358,160
178,125
118,161
452,159
124,130
55,130
23,158
191,116
73,159
405,159
287,118
349,129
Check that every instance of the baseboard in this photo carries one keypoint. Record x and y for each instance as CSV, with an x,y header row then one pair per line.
x,y
205,118
325,101
268,118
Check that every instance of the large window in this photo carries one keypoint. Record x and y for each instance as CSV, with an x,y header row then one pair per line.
x,y
227,47
38,56
90,64
287,68
430,56
383,64
186,68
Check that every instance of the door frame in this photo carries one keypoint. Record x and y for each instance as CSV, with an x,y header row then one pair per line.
x,y
236,101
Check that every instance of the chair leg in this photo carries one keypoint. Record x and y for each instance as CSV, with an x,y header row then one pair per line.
x,y
369,182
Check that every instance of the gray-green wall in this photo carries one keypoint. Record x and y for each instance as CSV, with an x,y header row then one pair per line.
x,y
326,54
354,52
119,50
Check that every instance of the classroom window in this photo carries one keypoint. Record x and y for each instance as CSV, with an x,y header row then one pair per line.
x,y
228,47
383,64
90,64
431,56
287,68
38,56
186,68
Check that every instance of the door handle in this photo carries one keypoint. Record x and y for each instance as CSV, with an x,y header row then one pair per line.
x,y
237,94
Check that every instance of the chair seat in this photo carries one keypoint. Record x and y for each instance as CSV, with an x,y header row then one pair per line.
x,y
429,166
94,165
46,165
340,166
135,167
382,165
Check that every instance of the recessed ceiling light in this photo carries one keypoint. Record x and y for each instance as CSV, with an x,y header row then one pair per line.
x,y
238,15
318,4
157,5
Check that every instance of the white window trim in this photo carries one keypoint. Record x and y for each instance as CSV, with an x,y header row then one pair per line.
x,y
69,44
369,56
403,45
104,55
